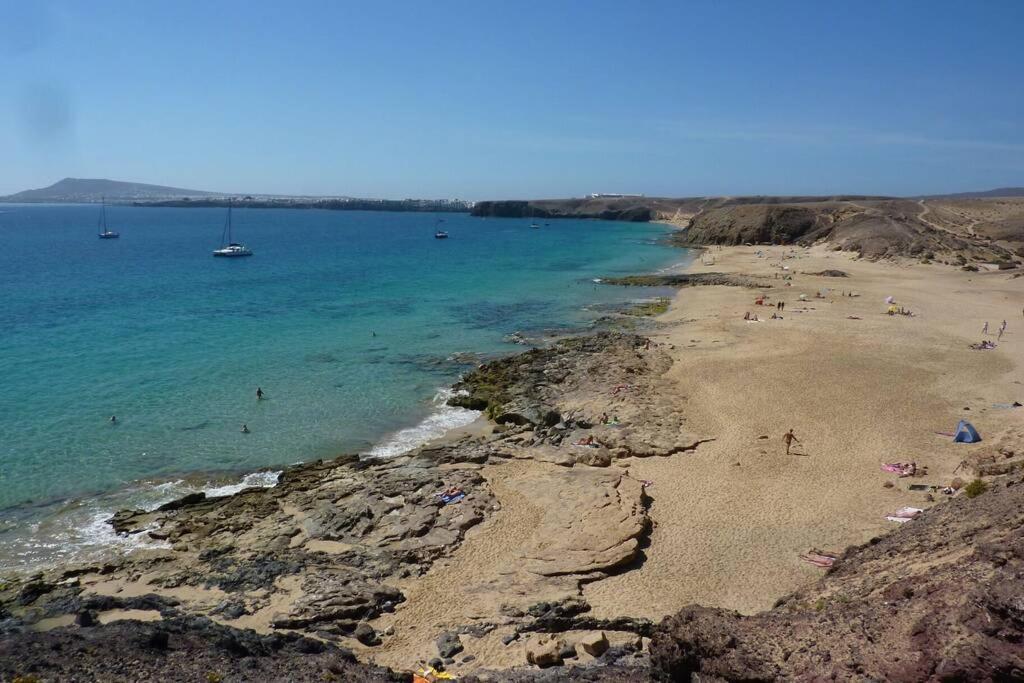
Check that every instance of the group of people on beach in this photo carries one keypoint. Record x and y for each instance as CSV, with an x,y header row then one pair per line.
x,y
1002,329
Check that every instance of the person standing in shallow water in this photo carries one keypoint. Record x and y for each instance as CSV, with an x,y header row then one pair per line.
x,y
259,394
789,438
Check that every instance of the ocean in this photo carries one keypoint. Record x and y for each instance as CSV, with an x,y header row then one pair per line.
x,y
352,323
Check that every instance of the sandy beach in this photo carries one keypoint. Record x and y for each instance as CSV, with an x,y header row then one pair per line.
x,y
561,526
859,388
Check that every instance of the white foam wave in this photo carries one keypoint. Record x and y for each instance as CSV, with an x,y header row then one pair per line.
x,y
435,425
81,531
262,480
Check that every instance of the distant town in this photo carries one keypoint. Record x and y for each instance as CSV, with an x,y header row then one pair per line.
x,y
326,203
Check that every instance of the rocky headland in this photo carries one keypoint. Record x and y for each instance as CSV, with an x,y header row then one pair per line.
x,y
960,231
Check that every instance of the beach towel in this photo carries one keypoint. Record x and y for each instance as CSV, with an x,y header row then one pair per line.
x,y
430,675
454,498
892,467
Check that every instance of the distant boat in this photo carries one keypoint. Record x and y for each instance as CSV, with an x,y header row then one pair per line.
x,y
104,232
440,234
534,225
228,248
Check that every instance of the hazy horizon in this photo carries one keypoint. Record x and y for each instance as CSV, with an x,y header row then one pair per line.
x,y
481,102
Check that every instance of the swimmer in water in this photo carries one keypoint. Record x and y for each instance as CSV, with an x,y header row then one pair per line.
x,y
259,394
113,418
245,429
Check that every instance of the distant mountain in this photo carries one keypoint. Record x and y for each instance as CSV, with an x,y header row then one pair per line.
x,y
92,189
998,192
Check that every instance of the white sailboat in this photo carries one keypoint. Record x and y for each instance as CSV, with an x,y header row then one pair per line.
x,y
229,249
104,232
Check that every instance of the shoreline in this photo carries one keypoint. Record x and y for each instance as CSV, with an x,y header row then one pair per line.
x,y
97,545
685,497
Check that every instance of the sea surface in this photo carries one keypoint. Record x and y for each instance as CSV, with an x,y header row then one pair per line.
x,y
352,323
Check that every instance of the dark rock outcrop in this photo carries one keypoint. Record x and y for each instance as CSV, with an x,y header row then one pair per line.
x,y
685,280
182,649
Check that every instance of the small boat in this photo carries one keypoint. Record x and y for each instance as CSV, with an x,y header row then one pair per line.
x,y
104,232
440,234
534,226
228,248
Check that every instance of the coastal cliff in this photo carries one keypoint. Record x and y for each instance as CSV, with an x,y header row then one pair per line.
x,y
872,229
632,210
955,231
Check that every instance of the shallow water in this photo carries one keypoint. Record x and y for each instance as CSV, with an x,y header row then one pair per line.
x,y
349,321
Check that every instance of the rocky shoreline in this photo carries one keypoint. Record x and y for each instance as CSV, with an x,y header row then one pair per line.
x,y
322,554
475,554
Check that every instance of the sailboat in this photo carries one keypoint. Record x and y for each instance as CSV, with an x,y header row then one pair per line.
x,y
533,223
440,234
104,232
229,249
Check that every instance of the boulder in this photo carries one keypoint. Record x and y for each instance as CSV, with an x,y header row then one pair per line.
x,y
365,634
448,644
545,653
594,644
594,457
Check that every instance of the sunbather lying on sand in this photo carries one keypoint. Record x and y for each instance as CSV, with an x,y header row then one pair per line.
x,y
903,469
904,514
819,559
586,441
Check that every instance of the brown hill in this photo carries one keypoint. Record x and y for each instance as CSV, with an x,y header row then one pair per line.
x,y
981,230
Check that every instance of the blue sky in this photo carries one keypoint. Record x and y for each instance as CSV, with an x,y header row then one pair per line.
x,y
482,99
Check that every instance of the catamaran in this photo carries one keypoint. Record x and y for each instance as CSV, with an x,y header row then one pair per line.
x,y
229,249
104,232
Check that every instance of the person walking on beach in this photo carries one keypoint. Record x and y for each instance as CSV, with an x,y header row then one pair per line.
x,y
984,330
259,394
781,305
789,438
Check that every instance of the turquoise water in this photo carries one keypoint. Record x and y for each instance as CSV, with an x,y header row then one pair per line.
x,y
350,322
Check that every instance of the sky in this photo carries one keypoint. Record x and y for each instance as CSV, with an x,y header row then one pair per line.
x,y
486,100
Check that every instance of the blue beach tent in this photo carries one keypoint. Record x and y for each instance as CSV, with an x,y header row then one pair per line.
x,y
966,433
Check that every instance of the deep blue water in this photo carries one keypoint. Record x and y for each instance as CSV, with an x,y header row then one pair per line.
x,y
347,320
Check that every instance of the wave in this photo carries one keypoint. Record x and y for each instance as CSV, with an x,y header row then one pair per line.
x,y
80,531
444,419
